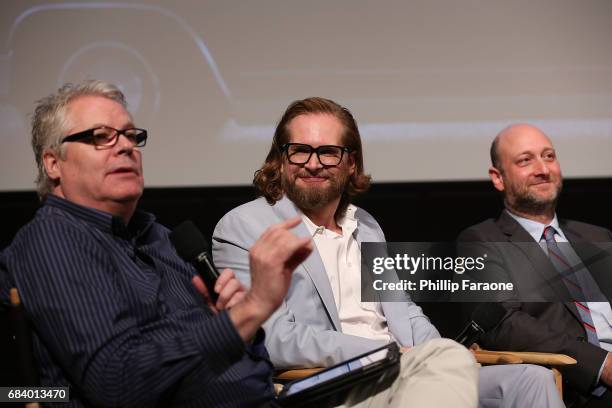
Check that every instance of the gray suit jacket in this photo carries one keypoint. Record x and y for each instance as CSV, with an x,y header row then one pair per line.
x,y
306,330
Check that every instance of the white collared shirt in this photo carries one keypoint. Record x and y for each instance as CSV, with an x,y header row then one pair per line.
x,y
601,312
341,257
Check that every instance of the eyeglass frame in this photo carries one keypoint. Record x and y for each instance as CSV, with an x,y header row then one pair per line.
x,y
285,149
89,134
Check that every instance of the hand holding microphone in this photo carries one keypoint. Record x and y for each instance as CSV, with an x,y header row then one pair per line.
x,y
272,260
228,290
222,291
484,318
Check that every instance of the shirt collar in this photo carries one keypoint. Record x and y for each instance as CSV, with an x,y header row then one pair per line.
x,y
140,222
348,223
536,229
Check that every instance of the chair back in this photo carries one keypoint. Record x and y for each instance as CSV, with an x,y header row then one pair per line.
x,y
22,337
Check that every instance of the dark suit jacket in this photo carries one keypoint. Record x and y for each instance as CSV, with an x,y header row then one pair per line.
x,y
544,326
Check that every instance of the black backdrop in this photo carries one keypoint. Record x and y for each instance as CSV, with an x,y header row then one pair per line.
x,y
433,211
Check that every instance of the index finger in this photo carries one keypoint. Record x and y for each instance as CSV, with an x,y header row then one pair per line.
x,y
226,275
298,250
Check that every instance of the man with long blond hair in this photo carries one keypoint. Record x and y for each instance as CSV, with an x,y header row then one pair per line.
x,y
313,170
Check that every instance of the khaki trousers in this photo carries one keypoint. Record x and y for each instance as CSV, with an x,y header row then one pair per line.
x,y
438,373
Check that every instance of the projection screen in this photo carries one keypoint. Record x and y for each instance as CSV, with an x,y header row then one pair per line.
x,y
429,82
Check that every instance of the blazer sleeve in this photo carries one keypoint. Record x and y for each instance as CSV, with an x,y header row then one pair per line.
x,y
520,331
408,323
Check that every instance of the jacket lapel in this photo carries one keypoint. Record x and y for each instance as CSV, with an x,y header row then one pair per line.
x,y
364,234
537,257
313,265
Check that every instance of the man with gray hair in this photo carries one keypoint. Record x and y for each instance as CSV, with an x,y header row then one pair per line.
x,y
117,315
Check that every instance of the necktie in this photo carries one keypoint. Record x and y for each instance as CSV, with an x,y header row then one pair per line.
x,y
571,282
573,285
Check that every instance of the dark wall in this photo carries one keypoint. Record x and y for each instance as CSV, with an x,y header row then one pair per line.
x,y
406,211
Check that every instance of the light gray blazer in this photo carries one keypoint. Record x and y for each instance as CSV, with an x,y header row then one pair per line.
x,y
305,331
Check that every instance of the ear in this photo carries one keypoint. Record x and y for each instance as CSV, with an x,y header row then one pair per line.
x,y
351,162
496,178
51,162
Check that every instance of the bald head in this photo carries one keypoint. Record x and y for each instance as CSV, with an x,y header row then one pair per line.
x,y
507,135
525,169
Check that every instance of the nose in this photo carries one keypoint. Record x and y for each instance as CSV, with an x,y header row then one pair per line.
x,y
313,162
541,167
124,144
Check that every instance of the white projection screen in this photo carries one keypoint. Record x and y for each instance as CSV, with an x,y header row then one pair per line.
x,y
429,81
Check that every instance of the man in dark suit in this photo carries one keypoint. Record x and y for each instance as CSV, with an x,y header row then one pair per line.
x,y
526,171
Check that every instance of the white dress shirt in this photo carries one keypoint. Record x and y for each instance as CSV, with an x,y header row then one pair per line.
x,y
341,257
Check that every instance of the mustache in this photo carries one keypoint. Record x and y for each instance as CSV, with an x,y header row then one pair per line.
x,y
316,173
543,178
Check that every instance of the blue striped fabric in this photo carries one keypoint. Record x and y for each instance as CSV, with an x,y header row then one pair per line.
x,y
117,319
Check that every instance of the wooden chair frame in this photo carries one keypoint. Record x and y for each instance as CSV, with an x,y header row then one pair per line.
x,y
485,357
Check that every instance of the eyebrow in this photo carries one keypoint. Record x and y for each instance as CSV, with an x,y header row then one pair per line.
x,y
97,125
548,148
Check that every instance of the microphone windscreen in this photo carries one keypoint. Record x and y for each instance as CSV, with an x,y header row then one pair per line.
x,y
488,315
188,240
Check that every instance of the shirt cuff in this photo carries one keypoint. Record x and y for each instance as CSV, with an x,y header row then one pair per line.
x,y
220,338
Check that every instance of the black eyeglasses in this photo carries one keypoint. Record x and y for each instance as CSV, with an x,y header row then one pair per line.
x,y
328,155
107,137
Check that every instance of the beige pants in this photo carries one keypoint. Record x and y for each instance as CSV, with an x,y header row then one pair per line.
x,y
438,373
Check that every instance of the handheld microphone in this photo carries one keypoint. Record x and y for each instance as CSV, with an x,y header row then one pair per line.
x,y
484,318
193,247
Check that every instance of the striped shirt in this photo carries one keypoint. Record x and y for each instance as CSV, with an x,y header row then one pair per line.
x,y
117,319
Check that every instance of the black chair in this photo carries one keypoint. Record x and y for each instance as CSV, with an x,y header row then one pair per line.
x,y
19,366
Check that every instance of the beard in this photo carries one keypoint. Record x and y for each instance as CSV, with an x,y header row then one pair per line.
x,y
525,201
315,197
